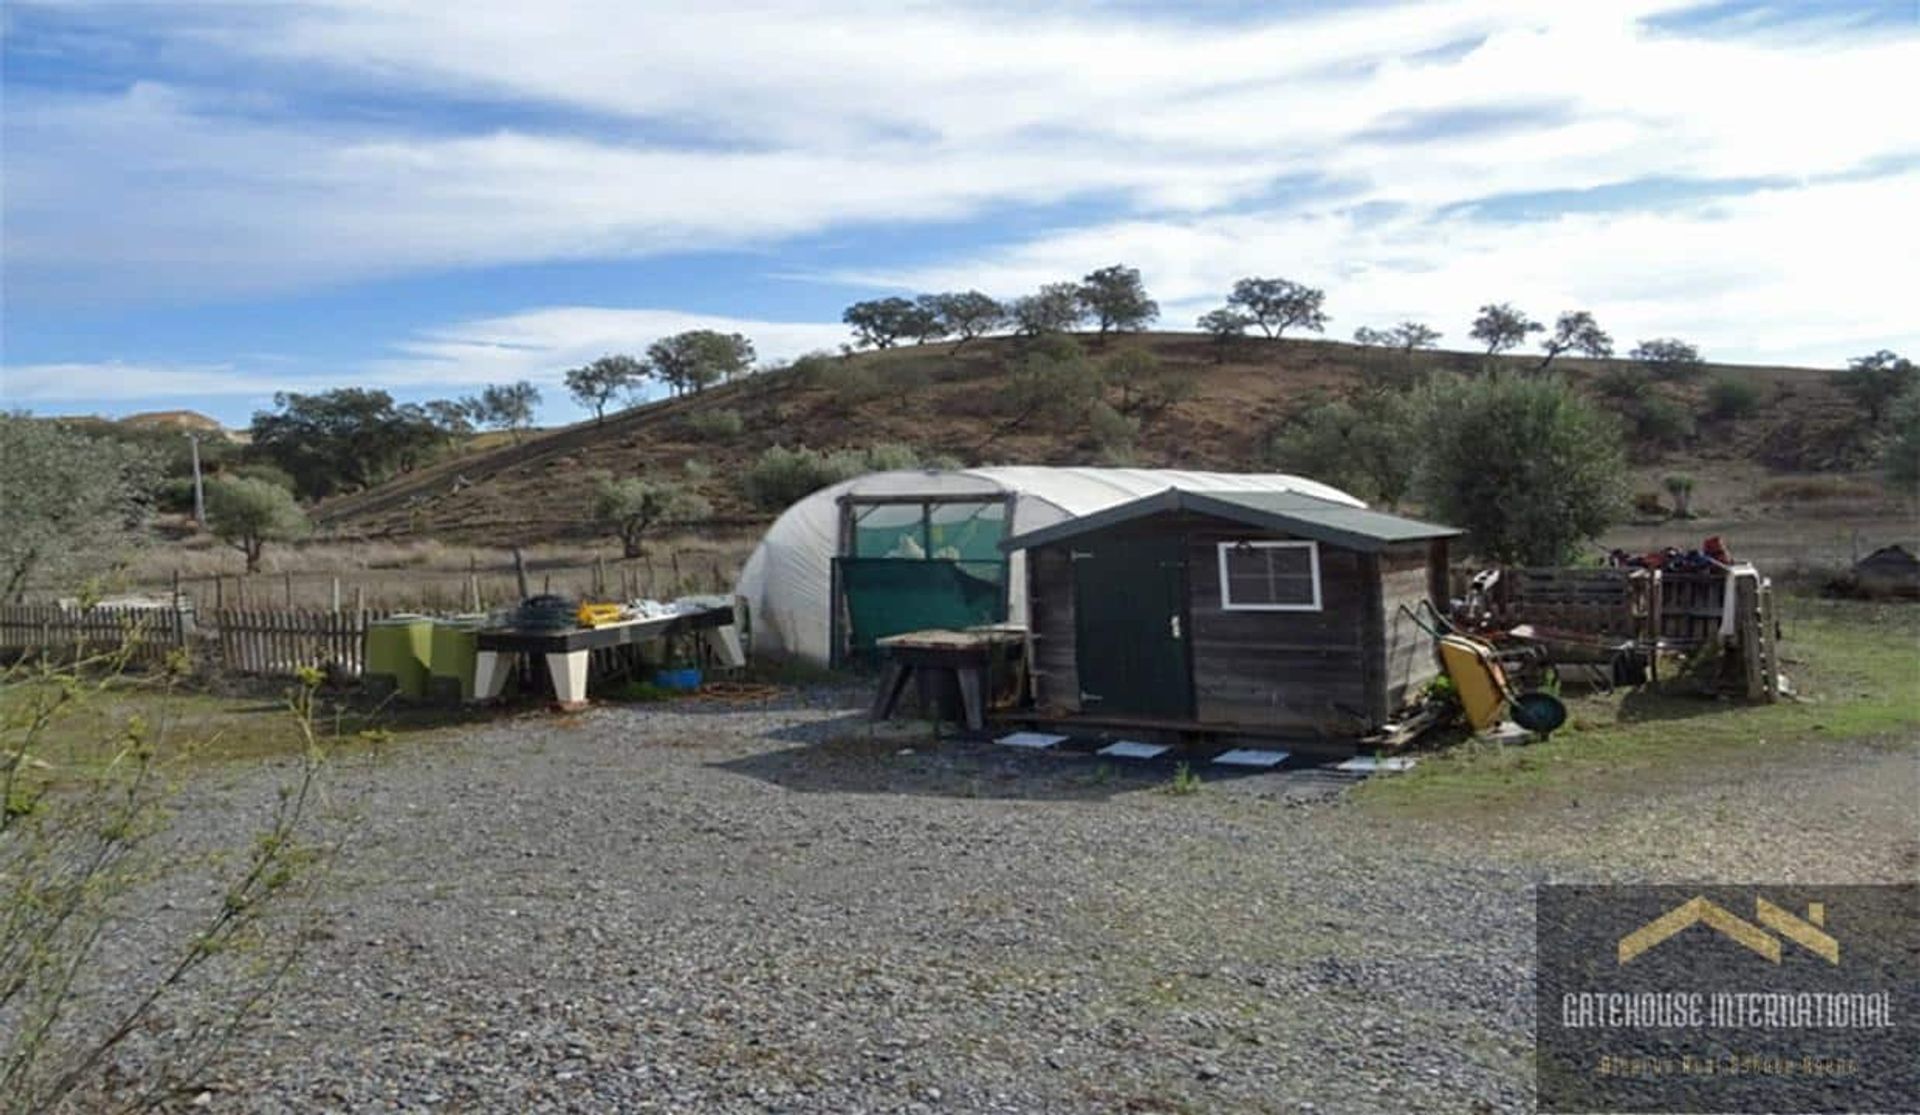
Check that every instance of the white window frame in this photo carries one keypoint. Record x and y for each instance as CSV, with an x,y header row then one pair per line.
x,y
1226,586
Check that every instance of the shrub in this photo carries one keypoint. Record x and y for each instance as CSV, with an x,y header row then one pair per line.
x,y
260,470
1359,446
1661,423
175,494
1728,398
1680,487
813,367
1526,465
850,383
714,425
74,503
783,476
889,456
1053,383
1901,458
1108,429
1624,384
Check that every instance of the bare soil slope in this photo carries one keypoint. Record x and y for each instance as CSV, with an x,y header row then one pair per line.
x,y
946,400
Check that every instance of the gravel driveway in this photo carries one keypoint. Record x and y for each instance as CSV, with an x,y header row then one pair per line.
x,y
723,908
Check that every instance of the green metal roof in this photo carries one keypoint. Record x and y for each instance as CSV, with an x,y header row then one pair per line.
x,y
1305,516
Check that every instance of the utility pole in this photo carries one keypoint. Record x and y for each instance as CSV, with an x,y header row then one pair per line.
x,y
199,490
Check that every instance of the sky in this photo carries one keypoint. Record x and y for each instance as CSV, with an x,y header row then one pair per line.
x,y
205,204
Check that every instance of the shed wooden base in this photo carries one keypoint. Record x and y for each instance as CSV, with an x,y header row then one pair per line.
x,y
1183,733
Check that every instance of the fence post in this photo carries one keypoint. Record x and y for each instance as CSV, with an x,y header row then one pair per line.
x,y
336,596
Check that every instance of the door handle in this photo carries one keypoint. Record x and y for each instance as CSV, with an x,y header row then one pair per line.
x,y
1173,626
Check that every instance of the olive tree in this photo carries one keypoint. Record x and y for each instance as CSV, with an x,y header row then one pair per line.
x,y
632,505
1667,357
1528,467
74,504
1054,308
882,322
595,385
508,406
1223,327
1408,336
1117,299
966,314
1501,327
699,358
1276,305
1576,331
1873,382
247,513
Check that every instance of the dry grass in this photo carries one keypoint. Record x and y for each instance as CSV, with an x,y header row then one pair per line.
x,y
1820,489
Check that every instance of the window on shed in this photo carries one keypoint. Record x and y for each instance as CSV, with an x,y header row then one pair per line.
x,y
1270,576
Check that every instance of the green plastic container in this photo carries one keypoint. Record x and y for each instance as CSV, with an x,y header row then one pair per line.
x,y
450,671
398,650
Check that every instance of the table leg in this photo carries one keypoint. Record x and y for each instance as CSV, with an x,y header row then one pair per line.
x,y
490,670
569,672
892,682
972,696
724,642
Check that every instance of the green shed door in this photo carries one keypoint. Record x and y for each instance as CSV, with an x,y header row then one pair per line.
x,y
1129,602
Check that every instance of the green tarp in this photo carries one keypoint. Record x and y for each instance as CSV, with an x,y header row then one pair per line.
x,y
891,596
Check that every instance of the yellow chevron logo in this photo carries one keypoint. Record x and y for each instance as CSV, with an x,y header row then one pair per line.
x,y
1807,933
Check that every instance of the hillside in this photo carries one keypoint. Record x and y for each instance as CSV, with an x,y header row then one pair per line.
x,y
942,401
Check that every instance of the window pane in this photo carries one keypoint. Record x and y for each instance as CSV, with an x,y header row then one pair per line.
x,y
889,530
1292,561
1270,575
968,531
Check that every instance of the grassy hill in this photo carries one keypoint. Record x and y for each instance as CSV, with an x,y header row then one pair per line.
x,y
1796,454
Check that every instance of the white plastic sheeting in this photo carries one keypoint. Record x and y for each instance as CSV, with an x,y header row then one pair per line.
x,y
788,580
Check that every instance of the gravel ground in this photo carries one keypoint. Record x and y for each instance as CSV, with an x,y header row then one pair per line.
x,y
711,908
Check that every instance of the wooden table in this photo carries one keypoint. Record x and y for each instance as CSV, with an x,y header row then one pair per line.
x,y
499,649
968,656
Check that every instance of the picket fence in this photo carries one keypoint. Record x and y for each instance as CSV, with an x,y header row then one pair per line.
x,y
278,643
268,642
144,635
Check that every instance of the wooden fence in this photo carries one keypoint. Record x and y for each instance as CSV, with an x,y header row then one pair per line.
x,y
256,641
271,642
145,635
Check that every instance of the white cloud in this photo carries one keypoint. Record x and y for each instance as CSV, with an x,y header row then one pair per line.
x,y
341,142
23,385
1809,274
709,128
541,344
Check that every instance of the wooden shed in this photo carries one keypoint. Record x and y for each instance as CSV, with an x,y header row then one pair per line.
x,y
1271,614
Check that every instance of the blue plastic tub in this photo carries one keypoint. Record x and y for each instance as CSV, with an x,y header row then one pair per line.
x,y
683,680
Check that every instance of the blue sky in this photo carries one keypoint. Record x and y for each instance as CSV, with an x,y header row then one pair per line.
x,y
208,203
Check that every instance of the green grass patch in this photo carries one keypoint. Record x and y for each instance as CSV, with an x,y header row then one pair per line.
x,y
1853,667
97,716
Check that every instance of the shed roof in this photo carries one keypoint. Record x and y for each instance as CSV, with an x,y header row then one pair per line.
x,y
1338,524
